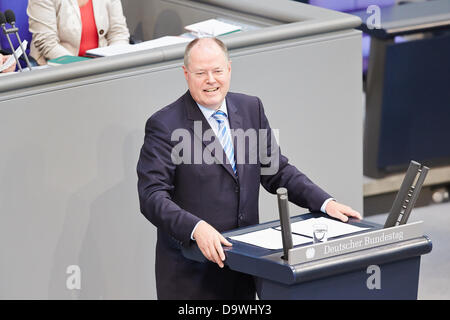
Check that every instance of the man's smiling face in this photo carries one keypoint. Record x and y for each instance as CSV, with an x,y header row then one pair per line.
x,y
208,74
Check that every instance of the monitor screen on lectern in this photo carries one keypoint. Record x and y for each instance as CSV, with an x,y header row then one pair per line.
x,y
407,195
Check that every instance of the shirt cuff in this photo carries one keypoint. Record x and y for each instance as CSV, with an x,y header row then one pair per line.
x,y
324,205
193,230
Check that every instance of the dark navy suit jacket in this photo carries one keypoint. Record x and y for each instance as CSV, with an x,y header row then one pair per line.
x,y
175,196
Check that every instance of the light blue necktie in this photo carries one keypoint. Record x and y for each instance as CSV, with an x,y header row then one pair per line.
x,y
225,137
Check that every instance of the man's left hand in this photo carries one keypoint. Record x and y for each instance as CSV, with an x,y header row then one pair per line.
x,y
340,211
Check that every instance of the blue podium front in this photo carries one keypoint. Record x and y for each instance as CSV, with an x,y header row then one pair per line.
x,y
375,263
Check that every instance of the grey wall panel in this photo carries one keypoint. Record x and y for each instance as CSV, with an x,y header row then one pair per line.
x,y
67,167
68,192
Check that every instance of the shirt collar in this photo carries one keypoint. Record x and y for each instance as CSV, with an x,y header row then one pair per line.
x,y
208,113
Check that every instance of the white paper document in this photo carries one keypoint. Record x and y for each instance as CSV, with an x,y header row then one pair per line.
x,y
335,228
212,27
129,48
269,238
10,61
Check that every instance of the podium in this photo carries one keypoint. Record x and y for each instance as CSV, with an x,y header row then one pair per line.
x,y
386,268
374,262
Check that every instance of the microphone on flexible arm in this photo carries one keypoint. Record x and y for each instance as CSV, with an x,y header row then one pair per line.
x,y
7,32
11,19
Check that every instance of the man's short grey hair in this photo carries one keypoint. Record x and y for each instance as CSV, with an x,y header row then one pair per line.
x,y
191,44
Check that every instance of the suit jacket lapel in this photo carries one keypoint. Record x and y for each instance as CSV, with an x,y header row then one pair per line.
x,y
194,114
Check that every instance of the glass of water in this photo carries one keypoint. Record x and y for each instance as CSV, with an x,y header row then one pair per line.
x,y
320,231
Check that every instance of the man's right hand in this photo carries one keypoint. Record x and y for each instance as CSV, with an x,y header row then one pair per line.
x,y
210,241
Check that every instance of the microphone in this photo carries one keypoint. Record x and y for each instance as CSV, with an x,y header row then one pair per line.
x,y
11,19
285,223
6,32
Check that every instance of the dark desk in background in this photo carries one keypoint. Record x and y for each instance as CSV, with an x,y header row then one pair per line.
x,y
407,87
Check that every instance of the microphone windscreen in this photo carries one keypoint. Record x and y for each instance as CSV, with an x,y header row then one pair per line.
x,y
10,16
2,18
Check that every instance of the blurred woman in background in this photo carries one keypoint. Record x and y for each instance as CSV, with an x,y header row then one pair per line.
x,y
71,27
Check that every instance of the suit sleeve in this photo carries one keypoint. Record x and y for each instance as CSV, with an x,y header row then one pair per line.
x,y
276,172
156,172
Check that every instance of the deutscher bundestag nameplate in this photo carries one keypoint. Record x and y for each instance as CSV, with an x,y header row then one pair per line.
x,y
354,243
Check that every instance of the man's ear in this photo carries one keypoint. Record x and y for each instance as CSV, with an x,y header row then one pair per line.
x,y
185,72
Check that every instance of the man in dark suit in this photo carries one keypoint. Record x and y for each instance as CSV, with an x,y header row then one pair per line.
x,y
192,189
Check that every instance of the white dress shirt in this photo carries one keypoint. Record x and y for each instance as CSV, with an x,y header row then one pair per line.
x,y
208,114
